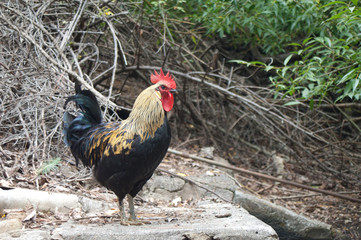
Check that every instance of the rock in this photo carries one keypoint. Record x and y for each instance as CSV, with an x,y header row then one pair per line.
x,y
220,184
168,183
167,188
225,162
46,201
26,235
163,188
287,224
10,225
197,236
193,223
206,152
279,165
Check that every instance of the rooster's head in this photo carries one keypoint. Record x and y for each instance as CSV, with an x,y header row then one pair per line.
x,y
166,85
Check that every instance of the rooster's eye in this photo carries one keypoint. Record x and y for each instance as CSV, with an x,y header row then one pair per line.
x,y
162,87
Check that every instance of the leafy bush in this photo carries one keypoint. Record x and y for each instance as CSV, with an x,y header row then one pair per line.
x,y
331,60
270,25
325,35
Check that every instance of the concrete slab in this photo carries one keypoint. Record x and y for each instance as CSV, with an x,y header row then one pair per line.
x,y
207,220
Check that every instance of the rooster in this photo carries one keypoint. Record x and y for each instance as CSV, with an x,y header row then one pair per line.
x,y
123,154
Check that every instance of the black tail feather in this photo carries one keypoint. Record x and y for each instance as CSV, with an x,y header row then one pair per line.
x,y
76,127
68,119
88,103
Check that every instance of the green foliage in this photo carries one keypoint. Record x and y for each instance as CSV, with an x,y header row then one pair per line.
x,y
270,25
49,166
324,34
330,64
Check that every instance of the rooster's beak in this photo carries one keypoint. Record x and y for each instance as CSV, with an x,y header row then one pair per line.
x,y
173,91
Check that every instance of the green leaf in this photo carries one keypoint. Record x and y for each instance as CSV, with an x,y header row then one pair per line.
x,y
355,84
292,103
241,62
258,63
306,93
339,15
268,68
328,40
340,98
347,89
49,166
311,104
346,77
334,2
194,39
255,63
287,59
306,40
295,44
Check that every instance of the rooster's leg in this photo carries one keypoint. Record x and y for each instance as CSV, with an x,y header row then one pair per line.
x,y
132,216
122,213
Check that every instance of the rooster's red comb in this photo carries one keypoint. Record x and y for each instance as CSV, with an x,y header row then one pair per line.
x,y
167,79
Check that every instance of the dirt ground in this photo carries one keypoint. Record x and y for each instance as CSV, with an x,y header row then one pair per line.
x,y
344,216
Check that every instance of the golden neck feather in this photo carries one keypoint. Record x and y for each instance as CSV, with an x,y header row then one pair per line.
x,y
146,117
147,114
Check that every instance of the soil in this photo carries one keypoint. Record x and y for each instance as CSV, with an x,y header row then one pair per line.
x,y
344,216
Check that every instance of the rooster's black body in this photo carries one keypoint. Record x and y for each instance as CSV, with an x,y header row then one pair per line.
x,y
123,154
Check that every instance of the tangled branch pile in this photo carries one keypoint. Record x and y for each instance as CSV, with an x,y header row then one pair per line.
x,y
111,47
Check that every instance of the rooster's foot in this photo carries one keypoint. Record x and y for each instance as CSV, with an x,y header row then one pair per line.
x,y
131,222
